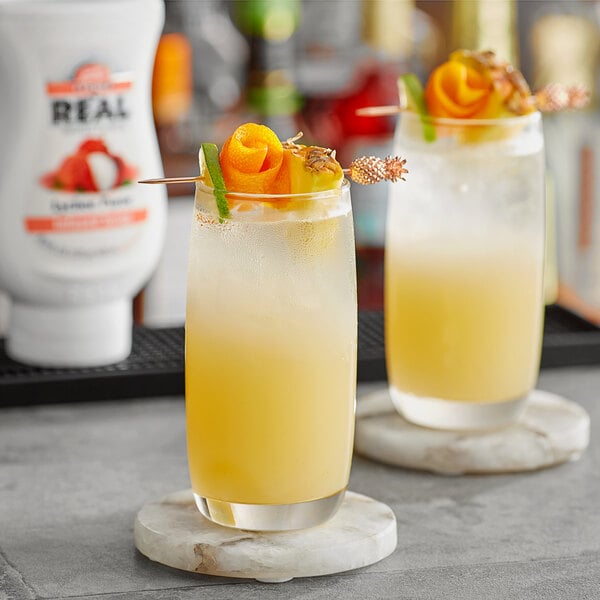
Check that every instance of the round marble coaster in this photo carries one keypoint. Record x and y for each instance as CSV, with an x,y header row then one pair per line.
x,y
171,531
550,431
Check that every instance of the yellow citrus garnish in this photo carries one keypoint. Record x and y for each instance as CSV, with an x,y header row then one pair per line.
x,y
307,169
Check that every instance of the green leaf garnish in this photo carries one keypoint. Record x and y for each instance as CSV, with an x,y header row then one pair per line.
x,y
210,154
411,91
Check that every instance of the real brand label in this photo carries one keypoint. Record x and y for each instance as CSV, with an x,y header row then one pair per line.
x,y
84,200
93,95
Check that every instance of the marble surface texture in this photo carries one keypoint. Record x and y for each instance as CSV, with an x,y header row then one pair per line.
x,y
171,531
551,430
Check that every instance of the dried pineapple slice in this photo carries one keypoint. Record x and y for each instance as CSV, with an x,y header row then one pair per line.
x,y
307,169
510,87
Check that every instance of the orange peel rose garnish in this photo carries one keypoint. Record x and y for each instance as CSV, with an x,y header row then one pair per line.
x,y
250,159
455,90
477,85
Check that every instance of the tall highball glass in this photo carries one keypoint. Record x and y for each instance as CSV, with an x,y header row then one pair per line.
x,y
271,332
463,271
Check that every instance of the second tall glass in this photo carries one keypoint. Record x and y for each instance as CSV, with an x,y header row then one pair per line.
x,y
271,358
463,271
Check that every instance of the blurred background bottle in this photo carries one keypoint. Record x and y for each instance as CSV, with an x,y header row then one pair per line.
x,y
564,40
388,42
172,93
271,96
388,52
486,25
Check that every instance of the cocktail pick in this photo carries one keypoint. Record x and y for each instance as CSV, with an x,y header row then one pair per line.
x,y
372,169
168,180
365,170
553,97
556,96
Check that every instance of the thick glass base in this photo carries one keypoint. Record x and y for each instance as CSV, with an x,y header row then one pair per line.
x,y
457,416
270,517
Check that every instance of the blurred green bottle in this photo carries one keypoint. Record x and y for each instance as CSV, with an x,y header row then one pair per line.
x,y
271,93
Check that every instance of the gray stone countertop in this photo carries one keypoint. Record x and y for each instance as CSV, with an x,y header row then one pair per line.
x,y
73,476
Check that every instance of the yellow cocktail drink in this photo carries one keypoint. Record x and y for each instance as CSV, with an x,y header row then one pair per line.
x,y
271,350
464,271
464,323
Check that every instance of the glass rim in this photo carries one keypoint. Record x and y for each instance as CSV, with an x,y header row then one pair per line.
x,y
465,122
249,197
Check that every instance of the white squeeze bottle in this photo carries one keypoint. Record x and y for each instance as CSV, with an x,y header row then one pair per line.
x,y
78,236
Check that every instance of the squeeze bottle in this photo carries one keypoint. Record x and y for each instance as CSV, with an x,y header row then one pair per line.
x,y
78,236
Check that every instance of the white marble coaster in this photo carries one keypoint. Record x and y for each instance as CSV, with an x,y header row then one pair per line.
x,y
171,531
551,430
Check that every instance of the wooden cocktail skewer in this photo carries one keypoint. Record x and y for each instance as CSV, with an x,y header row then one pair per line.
x,y
172,180
380,111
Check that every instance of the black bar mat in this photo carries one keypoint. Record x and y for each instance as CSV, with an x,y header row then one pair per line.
x,y
155,366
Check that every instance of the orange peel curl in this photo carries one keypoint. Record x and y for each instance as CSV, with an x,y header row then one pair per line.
x,y
251,159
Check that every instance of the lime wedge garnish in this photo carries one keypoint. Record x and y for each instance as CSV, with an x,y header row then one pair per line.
x,y
413,98
209,160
